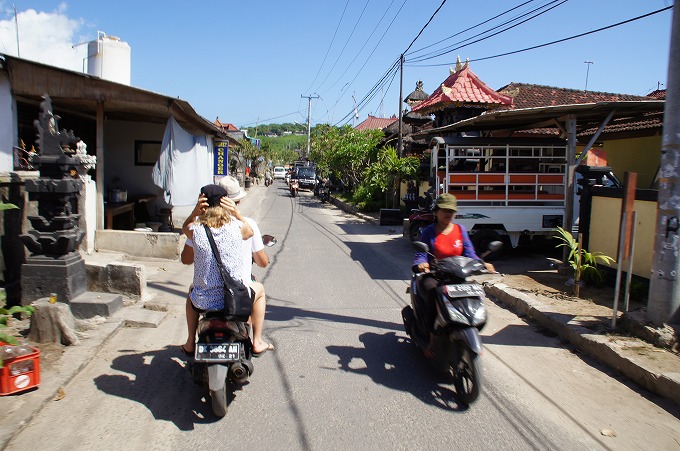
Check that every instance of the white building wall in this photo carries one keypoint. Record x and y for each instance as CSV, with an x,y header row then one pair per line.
x,y
8,124
119,159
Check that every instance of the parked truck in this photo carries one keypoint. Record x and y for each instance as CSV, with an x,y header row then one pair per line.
x,y
507,188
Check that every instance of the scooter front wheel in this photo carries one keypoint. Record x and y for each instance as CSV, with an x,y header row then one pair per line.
x,y
467,374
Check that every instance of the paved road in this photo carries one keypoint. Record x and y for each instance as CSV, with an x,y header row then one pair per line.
x,y
344,374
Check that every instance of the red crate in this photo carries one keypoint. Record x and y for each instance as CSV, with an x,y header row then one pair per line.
x,y
20,374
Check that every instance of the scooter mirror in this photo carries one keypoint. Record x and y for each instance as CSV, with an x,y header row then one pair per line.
x,y
495,245
268,240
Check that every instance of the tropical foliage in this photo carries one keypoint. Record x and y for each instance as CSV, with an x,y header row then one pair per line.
x,y
583,263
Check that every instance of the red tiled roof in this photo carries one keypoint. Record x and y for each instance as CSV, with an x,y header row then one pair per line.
x,y
225,126
659,94
648,121
462,87
375,123
532,96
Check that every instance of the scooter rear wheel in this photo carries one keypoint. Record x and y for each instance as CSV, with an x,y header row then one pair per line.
x,y
219,400
467,374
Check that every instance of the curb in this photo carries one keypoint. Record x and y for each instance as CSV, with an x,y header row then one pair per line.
x,y
598,347
352,209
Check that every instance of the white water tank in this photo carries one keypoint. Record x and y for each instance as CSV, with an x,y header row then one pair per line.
x,y
109,58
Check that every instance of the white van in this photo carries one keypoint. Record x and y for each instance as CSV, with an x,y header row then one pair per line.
x,y
279,172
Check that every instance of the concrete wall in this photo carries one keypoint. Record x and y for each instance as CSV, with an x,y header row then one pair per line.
x,y
8,126
604,231
140,244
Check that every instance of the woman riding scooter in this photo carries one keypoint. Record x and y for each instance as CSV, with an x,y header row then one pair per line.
x,y
445,239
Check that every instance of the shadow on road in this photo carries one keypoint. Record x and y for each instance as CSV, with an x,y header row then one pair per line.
x,y
160,381
394,362
284,314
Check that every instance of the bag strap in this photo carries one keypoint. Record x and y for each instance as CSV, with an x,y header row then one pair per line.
x,y
227,278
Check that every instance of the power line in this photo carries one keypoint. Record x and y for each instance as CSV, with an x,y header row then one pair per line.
x,y
469,28
371,54
270,119
424,27
452,49
362,47
557,41
329,47
346,43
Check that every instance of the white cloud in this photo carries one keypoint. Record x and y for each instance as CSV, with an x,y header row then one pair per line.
x,y
44,37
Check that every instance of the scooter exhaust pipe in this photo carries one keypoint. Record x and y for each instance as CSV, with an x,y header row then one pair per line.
x,y
238,373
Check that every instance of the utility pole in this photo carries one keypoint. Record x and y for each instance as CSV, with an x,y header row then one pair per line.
x,y
309,126
664,290
400,150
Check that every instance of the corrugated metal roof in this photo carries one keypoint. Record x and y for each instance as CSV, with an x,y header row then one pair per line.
x,y
588,115
81,93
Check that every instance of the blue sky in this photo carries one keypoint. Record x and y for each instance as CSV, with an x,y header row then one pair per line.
x,y
250,62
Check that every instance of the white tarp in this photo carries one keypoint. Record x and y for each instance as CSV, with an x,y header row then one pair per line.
x,y
184,165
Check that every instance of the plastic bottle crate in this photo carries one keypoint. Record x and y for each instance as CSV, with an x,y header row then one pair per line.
x,y
20,374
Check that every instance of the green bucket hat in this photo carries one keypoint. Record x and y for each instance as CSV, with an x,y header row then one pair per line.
x,y
447,202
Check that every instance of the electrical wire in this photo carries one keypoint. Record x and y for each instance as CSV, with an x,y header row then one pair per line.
x,y
362,47
453,48
555,42
424,27
329,47
391,71
270,119
345,46
469,28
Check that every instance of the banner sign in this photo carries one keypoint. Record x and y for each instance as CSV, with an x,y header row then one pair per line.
x,y
255,142
221,154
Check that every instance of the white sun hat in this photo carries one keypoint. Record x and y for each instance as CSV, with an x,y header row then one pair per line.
x,y
234,191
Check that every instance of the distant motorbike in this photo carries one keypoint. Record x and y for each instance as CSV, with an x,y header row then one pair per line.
x,y
223,353
460,316
268,180
421,217
323,191
294,187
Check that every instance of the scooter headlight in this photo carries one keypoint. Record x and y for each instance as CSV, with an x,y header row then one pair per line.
x,y
454,313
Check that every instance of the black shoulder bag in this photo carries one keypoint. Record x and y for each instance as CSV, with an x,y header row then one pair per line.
x,y
237,301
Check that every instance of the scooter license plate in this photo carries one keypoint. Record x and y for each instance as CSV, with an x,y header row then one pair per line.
x,y
463,290
217,352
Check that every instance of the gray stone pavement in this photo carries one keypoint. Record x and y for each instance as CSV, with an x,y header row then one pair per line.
x,y
656,370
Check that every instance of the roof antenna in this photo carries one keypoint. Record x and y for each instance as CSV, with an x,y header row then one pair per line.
x,y
587,72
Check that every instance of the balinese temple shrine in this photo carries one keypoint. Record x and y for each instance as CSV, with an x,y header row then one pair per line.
x,y
461,96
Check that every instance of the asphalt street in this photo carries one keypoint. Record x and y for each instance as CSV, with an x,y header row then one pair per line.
x,y
344,374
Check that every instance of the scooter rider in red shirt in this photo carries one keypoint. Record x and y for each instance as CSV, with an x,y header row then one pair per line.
x,y
445,239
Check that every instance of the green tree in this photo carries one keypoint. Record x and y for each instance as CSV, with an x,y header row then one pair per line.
x,y
388,171
345,152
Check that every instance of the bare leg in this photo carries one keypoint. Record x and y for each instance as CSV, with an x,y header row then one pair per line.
x,y
192,325
257,318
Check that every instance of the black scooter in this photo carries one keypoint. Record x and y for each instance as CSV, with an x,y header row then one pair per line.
x,y
323,191
223,353
460,316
